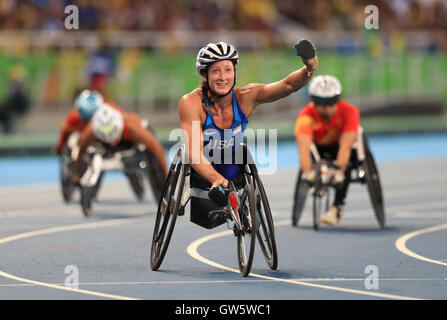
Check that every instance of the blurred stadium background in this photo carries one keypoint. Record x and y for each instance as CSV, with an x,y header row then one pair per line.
x,y
142,54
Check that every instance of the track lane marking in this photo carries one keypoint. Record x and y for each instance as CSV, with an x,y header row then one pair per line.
x,y
220,281
192,250
402,241
64,229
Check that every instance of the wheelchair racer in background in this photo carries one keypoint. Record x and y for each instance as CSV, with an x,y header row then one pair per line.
x,y
86,104
332,124
117,130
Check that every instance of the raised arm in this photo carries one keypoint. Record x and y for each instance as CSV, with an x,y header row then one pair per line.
x,y
258,93
280,89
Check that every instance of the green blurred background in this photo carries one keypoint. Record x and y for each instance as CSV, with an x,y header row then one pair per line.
x,y
396,75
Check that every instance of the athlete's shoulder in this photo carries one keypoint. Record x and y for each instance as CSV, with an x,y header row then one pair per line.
x,y
191,100
192,97
307,110
347,106
190,105
73,117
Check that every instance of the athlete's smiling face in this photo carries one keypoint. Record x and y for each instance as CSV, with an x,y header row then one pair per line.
x,y
221,76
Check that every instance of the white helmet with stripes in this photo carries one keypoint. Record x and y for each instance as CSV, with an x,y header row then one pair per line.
x,y
325,86
214,52
108,123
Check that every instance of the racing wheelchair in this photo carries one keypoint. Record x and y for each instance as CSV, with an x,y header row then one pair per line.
x,y
247,207
66,166
363,170
134,160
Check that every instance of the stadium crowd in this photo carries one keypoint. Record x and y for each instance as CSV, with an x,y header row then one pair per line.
x,y
160,15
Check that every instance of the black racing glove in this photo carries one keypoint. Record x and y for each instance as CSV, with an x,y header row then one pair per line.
x,y
305,49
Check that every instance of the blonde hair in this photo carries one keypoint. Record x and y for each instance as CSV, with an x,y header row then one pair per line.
x,y
204,96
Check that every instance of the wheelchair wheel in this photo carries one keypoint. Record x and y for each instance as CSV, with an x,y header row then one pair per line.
x,y
317,207
374,186
65,169
167,212
67,186
301,189
247,237
155,176
97,186
137,184
87,197
265,230
321,198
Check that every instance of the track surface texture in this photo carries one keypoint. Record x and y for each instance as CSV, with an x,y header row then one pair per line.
x,y
45,244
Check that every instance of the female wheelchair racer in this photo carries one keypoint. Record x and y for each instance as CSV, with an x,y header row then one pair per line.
x,y
213,119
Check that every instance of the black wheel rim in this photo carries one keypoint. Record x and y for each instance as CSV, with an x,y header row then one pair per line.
x,y
166,215
264,224
316,211
301,189
246,239
374,189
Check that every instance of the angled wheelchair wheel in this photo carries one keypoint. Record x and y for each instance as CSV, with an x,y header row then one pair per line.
x,y
136,183
247,237
155,175
89,195
316,211
97,186
264,222
168,207
65,169
374,186
301,189
87,199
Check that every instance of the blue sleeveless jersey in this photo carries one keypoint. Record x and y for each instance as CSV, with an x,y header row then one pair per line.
x,y
220,145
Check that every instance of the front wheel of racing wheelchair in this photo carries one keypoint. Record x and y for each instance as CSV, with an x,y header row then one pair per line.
x,y
184,184
364,171
66,166
65,172
134,160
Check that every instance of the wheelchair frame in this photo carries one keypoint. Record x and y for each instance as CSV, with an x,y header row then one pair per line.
x,y
259,212
365,172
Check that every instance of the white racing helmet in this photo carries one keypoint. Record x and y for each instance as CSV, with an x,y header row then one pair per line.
x,y
108,123
325,89
214,52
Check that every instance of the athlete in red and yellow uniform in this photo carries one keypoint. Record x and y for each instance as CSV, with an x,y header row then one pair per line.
x,y
332,124
327,132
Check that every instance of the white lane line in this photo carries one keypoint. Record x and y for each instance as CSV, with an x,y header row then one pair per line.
x,y
286,210
219,281
64,229
361,192
401,244
47,195
193,252
273,204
